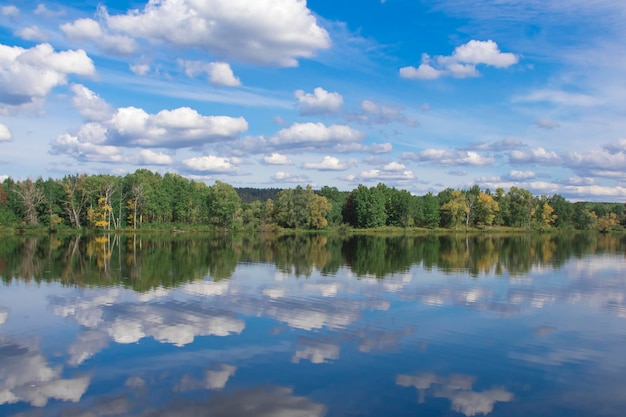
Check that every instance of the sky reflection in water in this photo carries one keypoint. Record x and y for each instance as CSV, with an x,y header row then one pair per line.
x,y
425,341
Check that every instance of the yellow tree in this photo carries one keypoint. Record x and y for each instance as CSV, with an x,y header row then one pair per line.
x,y
547,216
99,216
319,209
457,207
487,209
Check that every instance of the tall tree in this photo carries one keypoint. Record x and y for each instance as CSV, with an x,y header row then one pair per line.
x,y
456,208
223,203
31,197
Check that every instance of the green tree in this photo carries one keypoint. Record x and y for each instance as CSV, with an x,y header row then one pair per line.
x,y
430,211
224,204
365,207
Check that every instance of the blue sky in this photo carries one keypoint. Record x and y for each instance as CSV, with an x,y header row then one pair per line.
x,y
420,95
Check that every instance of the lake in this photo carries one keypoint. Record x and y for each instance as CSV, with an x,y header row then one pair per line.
x,y
193,325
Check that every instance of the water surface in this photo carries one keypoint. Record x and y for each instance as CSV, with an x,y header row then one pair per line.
x,y
313,326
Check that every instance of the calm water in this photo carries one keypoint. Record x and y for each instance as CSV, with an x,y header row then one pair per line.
x,y
313,326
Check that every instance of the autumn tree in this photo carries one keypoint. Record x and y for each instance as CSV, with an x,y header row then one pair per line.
x,y
456,208
486,209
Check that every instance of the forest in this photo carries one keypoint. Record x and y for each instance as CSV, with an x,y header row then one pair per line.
x,y
148,200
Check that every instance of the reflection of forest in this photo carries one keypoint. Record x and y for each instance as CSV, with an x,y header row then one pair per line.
x,y
145,262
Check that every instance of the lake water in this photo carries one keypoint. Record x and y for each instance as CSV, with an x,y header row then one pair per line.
x,y
313,326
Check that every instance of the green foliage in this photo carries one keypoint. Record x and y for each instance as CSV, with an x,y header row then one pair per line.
x,y
224,205
148,200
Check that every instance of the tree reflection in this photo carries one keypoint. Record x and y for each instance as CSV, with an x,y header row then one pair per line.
x,y
145,262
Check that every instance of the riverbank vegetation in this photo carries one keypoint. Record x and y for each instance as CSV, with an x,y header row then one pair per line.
x,y
145,200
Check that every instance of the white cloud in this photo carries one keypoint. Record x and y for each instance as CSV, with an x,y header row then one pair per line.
x,y
608,162
534,156
282,176
181,127
30,74
32,33
5,133
277,159
445,157
10,10
211,163
394,166
328,163
374,175
4,315
315,134
462,63
149,157
88,30
483,52
319,102
275,32
424,72
89,104
42,10
87,145
140,69
521,175
220,73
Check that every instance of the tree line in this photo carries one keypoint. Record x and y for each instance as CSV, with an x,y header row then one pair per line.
x,y
145,199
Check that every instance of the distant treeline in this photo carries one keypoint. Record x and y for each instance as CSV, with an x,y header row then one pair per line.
x,y
145,199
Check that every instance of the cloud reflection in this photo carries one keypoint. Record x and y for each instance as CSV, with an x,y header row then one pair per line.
x,y
26,376
456,388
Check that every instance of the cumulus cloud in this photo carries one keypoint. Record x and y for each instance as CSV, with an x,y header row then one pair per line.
x,y
282,176
445,157
132,127
318,102
372,113
89,105
85,145
277,159
149,157
212,164
462,63
28,75
521,175
89,31
140,69
274,32
608,162
534,156
5,133
302,135
10,10
381,175
32,33
328,163
219,73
